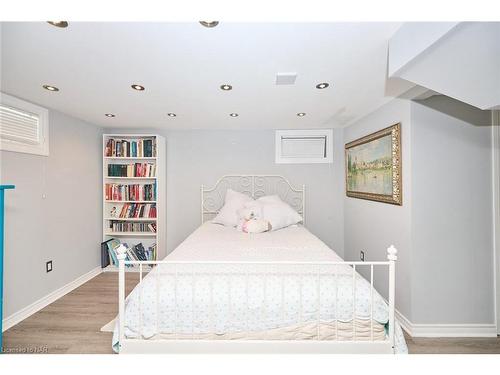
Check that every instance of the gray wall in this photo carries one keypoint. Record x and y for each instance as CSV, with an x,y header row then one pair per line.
x,y
373,226
443,233
452,227
198,157
443,230
65,227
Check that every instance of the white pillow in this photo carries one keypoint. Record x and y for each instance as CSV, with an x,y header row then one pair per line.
x,y
233,202
252,209
270,199
278,213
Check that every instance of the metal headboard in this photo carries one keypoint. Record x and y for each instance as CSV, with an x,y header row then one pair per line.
x,y
254,186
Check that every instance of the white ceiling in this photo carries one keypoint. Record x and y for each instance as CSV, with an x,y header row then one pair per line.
x,y
182,66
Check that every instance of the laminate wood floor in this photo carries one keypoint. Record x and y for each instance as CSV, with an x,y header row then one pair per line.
x,y
72,325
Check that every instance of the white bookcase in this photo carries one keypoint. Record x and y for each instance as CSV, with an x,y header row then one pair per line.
x,y
147,238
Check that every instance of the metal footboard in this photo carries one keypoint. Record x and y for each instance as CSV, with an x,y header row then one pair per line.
x,y
182,342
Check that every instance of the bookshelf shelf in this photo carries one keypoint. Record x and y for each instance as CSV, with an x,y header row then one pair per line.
x,y
131,218
131,234
129,158
145,269
142,152
111,201
131,178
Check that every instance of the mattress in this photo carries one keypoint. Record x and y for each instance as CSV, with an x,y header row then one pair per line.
x,y
255,300
341,331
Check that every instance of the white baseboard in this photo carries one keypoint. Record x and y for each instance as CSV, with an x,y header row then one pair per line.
x,y
446,330
22,314
404,322
454,330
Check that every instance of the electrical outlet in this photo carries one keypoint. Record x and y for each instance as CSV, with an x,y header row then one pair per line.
x,y
48,266
362,256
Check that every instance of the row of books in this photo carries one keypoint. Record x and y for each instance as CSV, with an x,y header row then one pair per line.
x,y
136,192
132,170
137,210
131,148
137,252
126,226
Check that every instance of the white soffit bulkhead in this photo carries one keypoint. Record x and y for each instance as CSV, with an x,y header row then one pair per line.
x,y
459,60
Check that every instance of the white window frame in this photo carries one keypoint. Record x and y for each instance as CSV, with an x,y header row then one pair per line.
x,y
42,148
328,133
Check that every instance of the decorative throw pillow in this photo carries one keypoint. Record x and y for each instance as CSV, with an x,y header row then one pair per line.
x,y
233,202
278,213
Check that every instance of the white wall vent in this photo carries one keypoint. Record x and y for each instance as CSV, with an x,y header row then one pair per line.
x,y
286,78
23,126
304,146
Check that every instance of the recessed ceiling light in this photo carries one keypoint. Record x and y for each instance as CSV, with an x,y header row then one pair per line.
x,y
170,114
226,87
209,24
322,85
50,88
58,23
301,114
137,87
233,115
109,115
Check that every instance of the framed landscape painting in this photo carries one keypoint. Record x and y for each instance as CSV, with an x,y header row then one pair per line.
x,y
373,166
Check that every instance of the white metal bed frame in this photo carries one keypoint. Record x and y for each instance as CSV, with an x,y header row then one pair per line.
x,y
255,186
212,200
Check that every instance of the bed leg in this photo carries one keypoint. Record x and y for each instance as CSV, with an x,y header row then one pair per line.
x,y
392,257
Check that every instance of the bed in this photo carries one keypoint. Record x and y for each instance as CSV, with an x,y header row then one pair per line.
x,y
282,291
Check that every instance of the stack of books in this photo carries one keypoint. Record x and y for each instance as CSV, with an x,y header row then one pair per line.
x,y
140,253
136,192
132,170
137,252
131,148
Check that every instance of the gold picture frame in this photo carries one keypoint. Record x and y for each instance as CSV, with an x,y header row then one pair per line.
x,y
373,166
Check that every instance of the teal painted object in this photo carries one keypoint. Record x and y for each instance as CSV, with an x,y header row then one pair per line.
x,y
2,191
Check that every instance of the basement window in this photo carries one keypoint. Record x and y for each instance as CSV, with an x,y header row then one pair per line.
x,y
24,127
304,146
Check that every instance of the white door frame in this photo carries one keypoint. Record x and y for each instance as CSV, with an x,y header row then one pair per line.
x,y
495,131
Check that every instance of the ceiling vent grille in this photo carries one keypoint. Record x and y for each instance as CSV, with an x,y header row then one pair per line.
x,y
286,78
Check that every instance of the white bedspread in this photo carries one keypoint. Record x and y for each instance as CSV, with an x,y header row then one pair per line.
x,y
185,293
